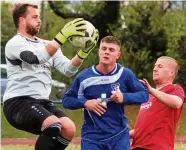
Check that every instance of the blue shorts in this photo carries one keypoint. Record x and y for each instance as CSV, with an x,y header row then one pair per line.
x,y
119,141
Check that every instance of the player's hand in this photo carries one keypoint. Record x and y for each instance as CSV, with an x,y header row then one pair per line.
x,y
117,96
84,52
131,134
146,83
95,106
75,27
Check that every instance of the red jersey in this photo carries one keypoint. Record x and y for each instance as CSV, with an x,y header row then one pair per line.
x,y
155,126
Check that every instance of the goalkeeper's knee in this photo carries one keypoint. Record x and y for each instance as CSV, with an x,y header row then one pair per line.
x,y
52,130
48,136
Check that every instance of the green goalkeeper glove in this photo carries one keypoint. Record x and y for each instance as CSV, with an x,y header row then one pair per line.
x,y
83,53
75,27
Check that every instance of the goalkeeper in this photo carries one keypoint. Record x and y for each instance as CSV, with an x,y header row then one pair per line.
x,y
102,90
29,62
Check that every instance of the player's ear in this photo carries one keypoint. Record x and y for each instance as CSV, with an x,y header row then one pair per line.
x,y
172,72
119,53
22,20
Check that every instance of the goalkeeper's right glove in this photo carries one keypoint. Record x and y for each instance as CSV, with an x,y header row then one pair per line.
x,y
75,27
84,52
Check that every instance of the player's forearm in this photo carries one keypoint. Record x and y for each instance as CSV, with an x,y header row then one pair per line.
x,y
52,47
76,61
73,103
167,99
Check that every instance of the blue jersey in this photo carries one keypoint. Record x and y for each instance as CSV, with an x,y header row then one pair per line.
x,y
91,84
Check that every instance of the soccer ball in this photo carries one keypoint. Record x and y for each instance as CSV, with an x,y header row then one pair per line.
x,y
82,42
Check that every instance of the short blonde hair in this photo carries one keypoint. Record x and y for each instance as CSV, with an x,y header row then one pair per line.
x,y
111,39
173,63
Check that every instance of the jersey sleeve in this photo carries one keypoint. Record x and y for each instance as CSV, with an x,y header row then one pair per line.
x,y
20,49
178,91
71,100
137,92
63,64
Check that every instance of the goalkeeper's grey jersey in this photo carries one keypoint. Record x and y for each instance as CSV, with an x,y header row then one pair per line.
x,y
29,67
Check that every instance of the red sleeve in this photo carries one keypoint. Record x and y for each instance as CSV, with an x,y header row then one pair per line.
x,y
178,91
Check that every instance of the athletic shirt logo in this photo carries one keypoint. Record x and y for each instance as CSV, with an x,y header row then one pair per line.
x,y
115,87
145,106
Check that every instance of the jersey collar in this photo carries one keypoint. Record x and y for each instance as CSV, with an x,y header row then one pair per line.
x,y
99,73
36,39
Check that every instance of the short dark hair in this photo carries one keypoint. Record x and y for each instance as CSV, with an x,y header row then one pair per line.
x,y
20,10
111,39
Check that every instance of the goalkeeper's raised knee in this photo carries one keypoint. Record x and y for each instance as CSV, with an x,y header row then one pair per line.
x,y
46,140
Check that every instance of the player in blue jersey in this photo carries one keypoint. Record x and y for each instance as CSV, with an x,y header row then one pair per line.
x,y
102,90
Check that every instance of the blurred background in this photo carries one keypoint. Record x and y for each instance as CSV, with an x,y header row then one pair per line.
x,y
147,30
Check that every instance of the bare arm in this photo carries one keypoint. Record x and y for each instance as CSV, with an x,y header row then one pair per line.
x,y
172,101
52,47
76,61
167,99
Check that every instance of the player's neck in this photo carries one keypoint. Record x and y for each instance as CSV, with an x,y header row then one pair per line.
x,y
25,34
105,69
161,85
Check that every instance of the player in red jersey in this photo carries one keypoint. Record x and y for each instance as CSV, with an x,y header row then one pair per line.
x,y
155,126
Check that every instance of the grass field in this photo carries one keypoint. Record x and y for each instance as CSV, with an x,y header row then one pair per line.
x,y
71,147
77,116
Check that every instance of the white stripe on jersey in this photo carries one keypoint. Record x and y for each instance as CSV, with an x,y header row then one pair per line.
x,y
99,80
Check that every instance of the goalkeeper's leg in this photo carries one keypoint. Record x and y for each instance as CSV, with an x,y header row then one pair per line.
x,y
56,136
46,139
66,135
59,139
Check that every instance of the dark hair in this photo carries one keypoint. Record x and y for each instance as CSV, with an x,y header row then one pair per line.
x,y
111,39
20,10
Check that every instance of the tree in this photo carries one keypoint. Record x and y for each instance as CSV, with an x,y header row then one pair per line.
x,y
151,32
145,29
102,17
7,26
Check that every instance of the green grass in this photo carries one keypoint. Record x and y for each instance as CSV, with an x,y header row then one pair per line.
x,y
77,116
71,147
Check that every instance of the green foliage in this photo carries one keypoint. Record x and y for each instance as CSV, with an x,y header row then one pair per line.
x,y
140,33
7,26
87,7
50,27
150,32
145,29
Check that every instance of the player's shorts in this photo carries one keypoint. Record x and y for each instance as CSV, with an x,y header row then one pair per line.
x,y
26,113
118,142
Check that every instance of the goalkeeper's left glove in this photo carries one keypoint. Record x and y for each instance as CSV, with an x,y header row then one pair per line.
x,y
84,52
75,27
